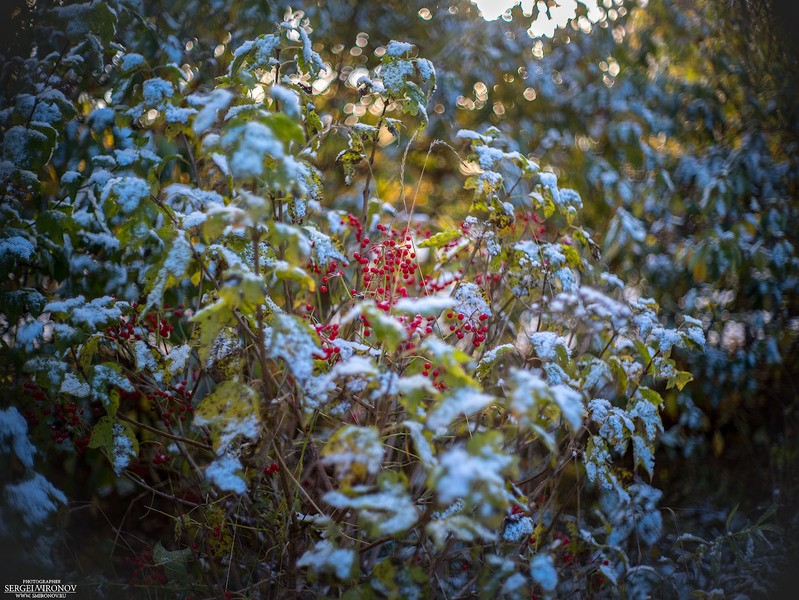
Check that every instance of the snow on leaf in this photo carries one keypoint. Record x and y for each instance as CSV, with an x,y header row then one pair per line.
x,y
666,339
395,75
423,448
599,409
475,473
231,410
224,472
125,448
288,98
490,359
471,301
293,341
74,386
28,334
130,61
26,147
597,467
616,428
250,144
649,417
175,265
644,454
463,401
128,192
459,526
177,358
598,372
15,248
355,366
514,585
427,306
468,134
415,383
694,333
570,403
517,527
107,375
530,394
324,557
395,48
217,100
144,357
156,90
547,343
14,436
542,570
34,499
388,511
323,247
354,452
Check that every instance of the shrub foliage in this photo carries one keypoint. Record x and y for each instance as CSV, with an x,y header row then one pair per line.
x,y
321,388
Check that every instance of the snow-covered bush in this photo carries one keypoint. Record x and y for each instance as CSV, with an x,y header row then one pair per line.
x,y
322,392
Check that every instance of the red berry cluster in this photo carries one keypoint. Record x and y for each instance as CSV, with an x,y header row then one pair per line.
x,y
526,217
389,269
135,327
270,470
145,571
161,458
175,399
388,266
331,271
354,223
328,335
65,419
163,326
462,324
487,278
68,423
37,393
435,373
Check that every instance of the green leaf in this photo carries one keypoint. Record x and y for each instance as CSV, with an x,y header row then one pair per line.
x,y
572,256
243,290
286,272
349,159
54,223
103,434
285,128
650,395
27,148
490,359
16,303
103,437
680,380
617,368
313,124
90,17
387,329
355,452
230,410
211,320
440,239
175,562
